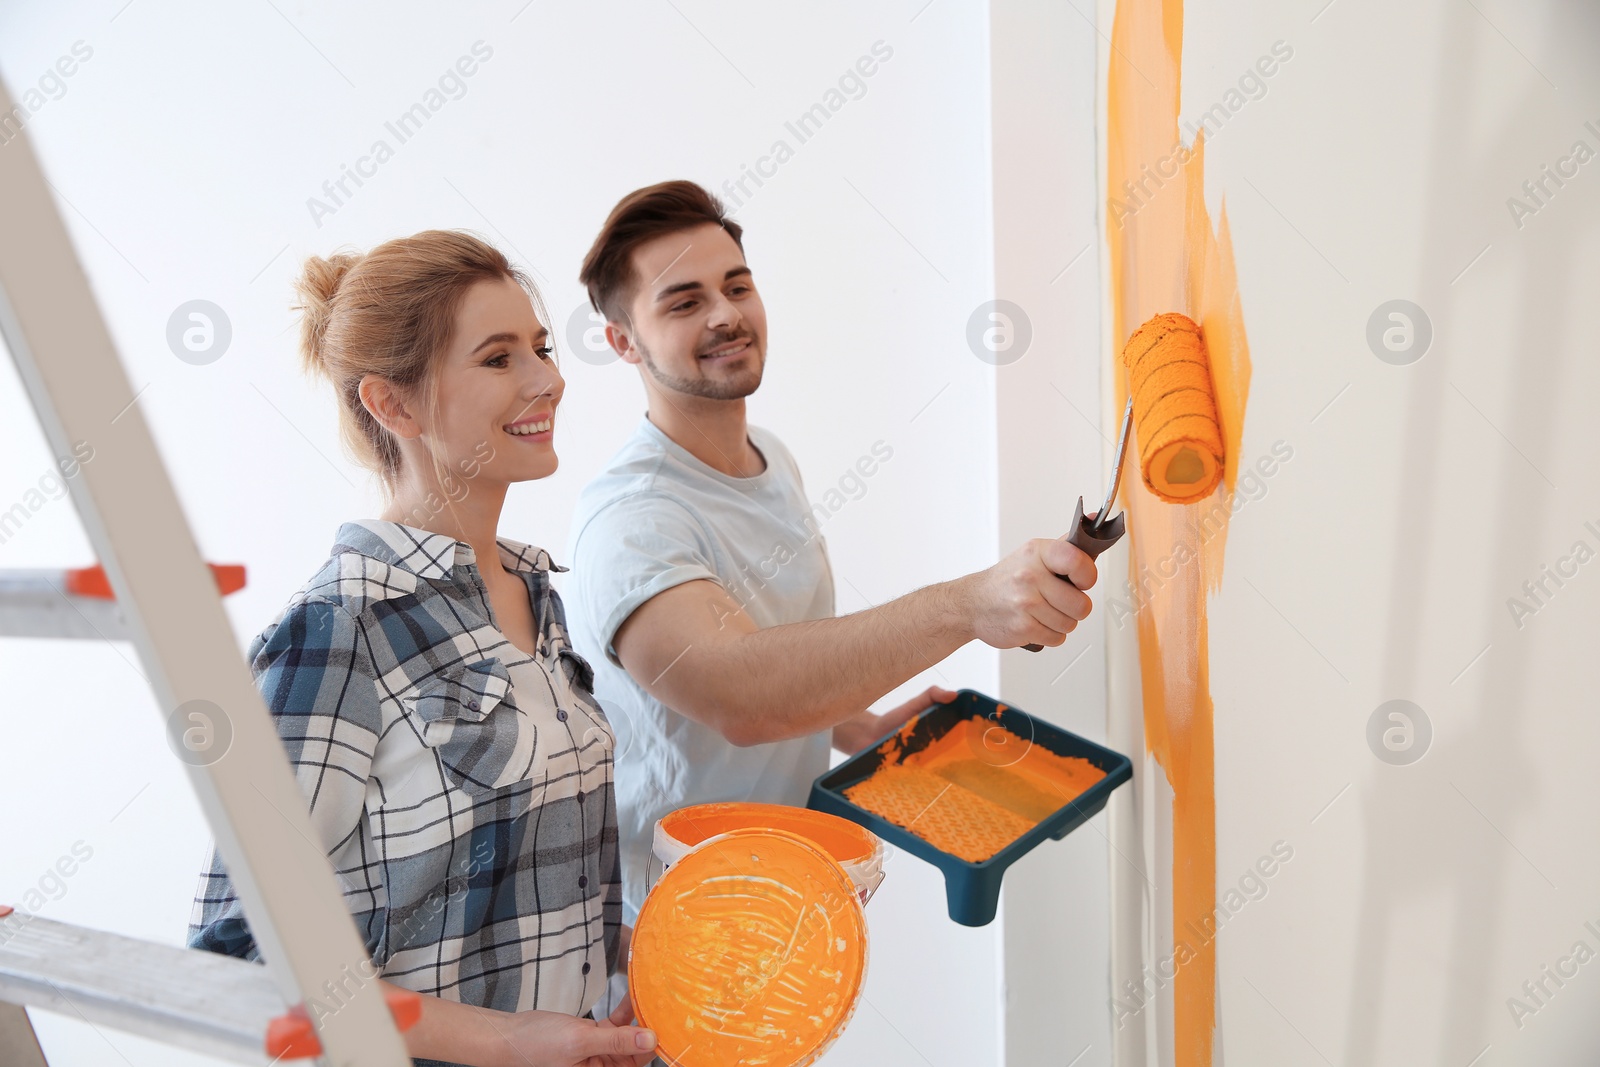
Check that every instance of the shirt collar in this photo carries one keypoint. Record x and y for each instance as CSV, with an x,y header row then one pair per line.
x,y
432,555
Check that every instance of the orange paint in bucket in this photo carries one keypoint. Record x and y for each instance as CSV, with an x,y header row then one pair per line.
x,y
854,847
751,948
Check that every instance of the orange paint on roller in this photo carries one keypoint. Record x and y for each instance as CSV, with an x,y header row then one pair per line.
x,y
1174,409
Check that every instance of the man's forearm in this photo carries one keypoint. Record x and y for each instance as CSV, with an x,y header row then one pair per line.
x,y
791,680
695,649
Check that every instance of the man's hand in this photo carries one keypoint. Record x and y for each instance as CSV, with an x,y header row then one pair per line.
x,y
1020,600
854,735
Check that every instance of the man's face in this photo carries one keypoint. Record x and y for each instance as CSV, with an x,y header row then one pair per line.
x,y
698,325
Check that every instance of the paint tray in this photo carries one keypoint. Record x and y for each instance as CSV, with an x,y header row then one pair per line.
x,y
972,890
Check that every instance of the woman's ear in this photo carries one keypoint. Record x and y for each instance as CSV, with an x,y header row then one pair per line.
x,y
383,402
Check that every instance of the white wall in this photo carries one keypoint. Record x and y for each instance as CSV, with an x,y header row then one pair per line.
x,y
1052,448
1379,562
183,152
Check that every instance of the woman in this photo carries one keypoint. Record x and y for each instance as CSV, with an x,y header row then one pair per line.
x,y
456,765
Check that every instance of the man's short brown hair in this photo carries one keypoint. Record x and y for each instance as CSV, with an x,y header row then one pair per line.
x,y
643,215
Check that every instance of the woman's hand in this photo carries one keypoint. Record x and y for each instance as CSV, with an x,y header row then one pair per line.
x,y
622,1014
464,1033
551,1039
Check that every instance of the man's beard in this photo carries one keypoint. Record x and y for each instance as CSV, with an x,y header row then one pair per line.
x,y
737,387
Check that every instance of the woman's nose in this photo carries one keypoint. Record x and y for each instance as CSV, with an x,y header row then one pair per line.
x,y
545,380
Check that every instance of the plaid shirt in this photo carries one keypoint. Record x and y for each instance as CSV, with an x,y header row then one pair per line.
x,y
461,788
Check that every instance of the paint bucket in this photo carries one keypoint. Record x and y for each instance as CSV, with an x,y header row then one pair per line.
x,y
858,850
750,948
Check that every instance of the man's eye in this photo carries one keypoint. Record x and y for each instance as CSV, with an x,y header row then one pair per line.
x,y
683,306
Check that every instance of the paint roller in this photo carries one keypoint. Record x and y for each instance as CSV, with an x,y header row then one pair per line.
x,y
1173,405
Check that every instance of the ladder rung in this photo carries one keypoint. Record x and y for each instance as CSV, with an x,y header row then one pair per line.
x,y
77,603
37,604
214,1004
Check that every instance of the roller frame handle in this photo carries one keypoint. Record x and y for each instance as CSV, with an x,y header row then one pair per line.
x,y
1091,539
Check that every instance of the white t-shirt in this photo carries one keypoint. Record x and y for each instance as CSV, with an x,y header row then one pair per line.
x,y
657,517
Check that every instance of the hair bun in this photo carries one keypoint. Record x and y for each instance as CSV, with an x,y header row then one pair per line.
x,y
317,287
390,313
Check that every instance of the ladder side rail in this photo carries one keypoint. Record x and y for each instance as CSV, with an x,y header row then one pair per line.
x,y
175,619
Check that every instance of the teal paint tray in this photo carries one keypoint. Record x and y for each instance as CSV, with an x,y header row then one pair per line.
x,y
972,890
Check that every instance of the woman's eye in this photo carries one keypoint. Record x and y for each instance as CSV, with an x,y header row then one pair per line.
x,y
497,361
546,352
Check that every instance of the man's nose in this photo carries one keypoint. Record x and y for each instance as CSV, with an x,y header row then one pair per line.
x,y
724,314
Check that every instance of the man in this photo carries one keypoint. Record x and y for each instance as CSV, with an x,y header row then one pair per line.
x,y
701,590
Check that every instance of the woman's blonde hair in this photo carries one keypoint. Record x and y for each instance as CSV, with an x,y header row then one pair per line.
x,y
390,312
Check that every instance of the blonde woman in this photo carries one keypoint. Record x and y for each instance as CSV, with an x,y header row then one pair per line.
x,y
457,767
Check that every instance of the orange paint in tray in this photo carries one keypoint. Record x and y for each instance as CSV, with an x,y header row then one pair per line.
x,y
971,786
974,790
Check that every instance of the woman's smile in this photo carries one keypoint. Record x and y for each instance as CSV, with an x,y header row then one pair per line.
x,y
539,427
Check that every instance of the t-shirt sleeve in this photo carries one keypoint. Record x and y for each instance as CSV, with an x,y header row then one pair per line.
x,y
627,553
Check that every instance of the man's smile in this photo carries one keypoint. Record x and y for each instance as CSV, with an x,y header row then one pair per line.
x,y
728,350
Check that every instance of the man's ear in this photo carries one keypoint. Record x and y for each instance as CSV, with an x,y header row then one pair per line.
x,y
621,342
383,402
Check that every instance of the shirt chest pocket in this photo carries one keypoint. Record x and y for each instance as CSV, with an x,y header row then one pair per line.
x,y
573,675
469,717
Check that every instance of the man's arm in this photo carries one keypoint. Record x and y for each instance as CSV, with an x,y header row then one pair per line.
x,y
694,649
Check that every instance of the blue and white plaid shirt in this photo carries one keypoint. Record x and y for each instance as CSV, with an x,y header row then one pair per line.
x,y
461,789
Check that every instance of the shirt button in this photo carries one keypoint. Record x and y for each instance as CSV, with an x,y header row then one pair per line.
x,y
580,796
474,705
561,714
583,881
585,968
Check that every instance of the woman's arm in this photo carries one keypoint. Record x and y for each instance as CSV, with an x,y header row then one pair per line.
x,y
461,1033
316,675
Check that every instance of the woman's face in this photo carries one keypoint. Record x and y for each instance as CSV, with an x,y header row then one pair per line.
x,y
498,389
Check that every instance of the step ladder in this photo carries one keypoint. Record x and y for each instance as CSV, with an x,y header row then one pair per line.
x,y
165,601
